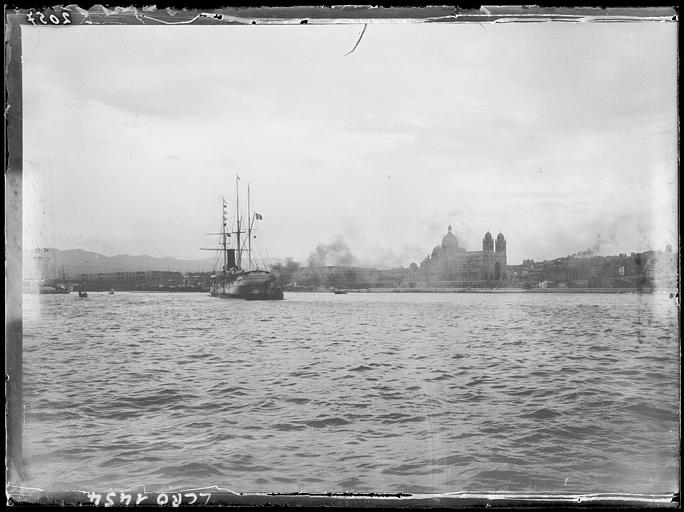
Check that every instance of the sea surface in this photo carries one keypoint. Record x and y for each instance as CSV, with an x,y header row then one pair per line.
x,y
418,393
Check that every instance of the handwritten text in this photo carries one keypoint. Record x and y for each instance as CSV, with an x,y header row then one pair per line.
x,y
119,499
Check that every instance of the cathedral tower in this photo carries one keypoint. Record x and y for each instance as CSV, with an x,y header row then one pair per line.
x,y
500,243
488,242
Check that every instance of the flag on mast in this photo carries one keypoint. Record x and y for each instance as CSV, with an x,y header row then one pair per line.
x,y
258,216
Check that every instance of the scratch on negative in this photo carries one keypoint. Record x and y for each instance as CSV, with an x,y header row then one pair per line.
x,y
357,42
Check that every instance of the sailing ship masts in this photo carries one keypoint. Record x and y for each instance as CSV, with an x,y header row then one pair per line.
x,y
237,216
249,230
224,234
242,247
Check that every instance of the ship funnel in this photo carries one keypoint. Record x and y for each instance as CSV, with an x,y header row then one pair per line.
x,y
231,258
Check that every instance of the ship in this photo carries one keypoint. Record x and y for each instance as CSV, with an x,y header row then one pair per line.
x,y
238,279
57,288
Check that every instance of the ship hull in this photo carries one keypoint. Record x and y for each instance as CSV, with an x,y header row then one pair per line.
x,y
251,285
50,290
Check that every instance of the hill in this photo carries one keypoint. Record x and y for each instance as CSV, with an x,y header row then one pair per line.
x,y
53,263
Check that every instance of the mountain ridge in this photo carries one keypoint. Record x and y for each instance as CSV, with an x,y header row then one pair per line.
x,y
51,263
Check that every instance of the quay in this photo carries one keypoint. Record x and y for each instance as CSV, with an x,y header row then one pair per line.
x,y
497,290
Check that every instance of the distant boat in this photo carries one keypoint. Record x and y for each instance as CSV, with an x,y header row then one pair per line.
x,y
51,290
339,292
234,280
111,292
82,293
58,285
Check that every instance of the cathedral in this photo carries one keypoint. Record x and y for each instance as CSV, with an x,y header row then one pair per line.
x,y
450,265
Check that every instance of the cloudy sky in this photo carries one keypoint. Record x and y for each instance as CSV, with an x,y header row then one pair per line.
x,y
561,135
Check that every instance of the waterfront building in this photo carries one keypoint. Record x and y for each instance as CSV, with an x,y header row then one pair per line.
x,y
323,277
450,265
657,269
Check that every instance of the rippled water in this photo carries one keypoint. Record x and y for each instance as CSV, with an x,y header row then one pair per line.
x,y
357,392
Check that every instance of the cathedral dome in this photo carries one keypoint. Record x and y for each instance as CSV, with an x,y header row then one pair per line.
x,y
488,236
450,241
500,237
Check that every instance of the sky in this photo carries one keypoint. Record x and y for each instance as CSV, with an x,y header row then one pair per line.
x,y
563,136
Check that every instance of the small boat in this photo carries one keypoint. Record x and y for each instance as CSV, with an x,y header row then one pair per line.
x,y
111,292
339,292
235,281
52,290
82,293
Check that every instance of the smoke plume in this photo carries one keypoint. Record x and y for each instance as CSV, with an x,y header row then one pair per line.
x,y
335,253
284,271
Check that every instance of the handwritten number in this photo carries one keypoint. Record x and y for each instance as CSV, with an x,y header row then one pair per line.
x,y
108,499
54,18
94,498
162,498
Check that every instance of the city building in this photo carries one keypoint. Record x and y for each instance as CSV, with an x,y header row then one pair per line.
x,y
639,271
451,265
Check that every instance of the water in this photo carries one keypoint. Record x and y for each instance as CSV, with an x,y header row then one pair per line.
x,y
359,392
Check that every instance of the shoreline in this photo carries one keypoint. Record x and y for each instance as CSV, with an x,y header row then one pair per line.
x,y
518,290
486,290
418,290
